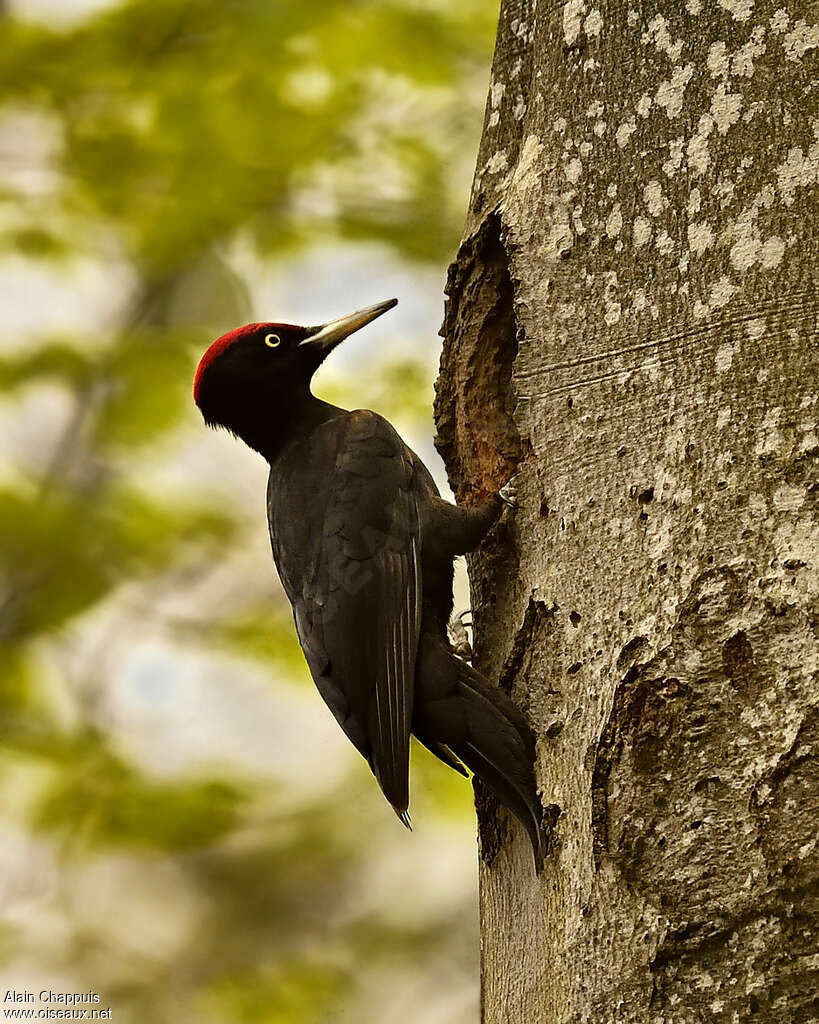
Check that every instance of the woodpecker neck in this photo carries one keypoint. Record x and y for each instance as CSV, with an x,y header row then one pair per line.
x,y
269,426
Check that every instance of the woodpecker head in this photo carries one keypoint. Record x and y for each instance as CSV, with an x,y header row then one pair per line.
x,y
253,378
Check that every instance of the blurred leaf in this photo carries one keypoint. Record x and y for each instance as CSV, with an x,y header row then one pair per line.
x,y
177,141
16,678
99,800
398,388
56,360
439,789
268,634
70,550
295,991
186,140
34,242
149,388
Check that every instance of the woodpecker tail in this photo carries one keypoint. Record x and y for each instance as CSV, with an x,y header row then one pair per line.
x,y
460,715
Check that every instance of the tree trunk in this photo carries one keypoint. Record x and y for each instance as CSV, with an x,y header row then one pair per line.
x,y
630,325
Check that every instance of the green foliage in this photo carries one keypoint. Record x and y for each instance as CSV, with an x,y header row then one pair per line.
x,y
186,121
266,634
71,549
59,361
180,132
400,388
96,799
34,242
293,991
17,681
149,389
437,789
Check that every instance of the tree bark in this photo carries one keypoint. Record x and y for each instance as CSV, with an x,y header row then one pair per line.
x,y
631,325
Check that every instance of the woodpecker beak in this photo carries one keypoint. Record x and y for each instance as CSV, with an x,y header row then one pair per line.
x,y
326,336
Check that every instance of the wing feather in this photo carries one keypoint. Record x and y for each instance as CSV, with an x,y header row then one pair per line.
x,y
356,588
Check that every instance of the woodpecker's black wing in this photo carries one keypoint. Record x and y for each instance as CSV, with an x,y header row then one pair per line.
x,y
350,562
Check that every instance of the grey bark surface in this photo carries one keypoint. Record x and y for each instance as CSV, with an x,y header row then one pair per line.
x,y
632,325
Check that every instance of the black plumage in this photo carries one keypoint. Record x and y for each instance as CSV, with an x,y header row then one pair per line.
x,y
364,546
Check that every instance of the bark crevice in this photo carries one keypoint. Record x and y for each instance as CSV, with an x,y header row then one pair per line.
x,y
474,402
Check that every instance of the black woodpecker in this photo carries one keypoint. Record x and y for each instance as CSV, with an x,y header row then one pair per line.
x,y
364,546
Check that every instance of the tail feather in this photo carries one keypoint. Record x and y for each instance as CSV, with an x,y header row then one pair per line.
x,y
404,818
459,710
518,801
443,753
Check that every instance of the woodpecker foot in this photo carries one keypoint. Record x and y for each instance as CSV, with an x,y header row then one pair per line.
x,y
458,635
508,494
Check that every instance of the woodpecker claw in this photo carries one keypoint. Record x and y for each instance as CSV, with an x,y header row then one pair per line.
x,y
458,636
508,494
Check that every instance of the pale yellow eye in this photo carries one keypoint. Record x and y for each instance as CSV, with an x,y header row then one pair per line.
x,y
272,341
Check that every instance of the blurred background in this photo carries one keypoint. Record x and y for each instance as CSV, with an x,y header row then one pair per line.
x,y
183,827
